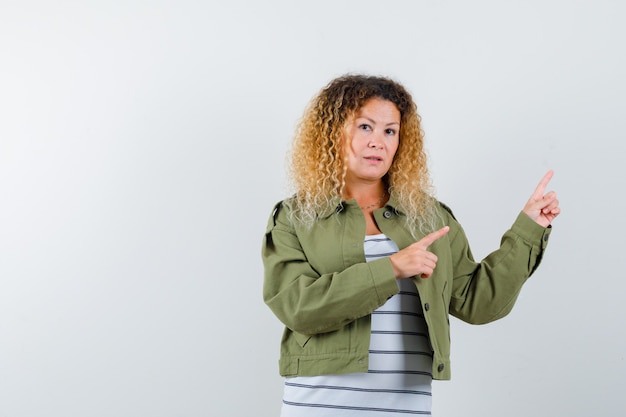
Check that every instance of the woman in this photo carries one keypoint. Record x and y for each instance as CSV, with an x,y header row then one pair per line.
x,y
363,265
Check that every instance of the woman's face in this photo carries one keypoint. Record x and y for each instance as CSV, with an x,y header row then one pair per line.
x,y
372,138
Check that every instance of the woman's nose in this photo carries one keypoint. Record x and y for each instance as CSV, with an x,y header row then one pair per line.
x,y
375,143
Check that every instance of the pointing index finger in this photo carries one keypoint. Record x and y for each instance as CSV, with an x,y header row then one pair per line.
x,y
428,240
541,187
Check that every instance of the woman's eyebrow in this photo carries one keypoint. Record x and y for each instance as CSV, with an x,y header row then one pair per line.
x,y
374,122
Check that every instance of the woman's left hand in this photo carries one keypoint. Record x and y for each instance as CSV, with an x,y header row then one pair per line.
x,y
543,208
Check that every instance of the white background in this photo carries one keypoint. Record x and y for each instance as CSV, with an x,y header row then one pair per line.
x,y
142,146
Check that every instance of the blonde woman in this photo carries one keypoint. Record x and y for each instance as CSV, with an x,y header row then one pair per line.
x,y
363,265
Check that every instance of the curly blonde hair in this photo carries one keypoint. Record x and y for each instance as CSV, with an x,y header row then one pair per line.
x,y
317,165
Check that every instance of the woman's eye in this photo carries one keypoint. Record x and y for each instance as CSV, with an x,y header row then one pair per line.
x,y
390,132
365,127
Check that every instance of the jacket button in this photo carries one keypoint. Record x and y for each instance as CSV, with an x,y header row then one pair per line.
x,y
387,214
441,367
545,238
426,307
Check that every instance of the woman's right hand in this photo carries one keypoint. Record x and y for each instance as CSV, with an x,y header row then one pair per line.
x,y
416,259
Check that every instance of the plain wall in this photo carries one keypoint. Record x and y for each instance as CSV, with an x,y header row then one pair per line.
x,y
142,147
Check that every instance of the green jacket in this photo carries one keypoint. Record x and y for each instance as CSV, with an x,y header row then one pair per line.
x,y
319,285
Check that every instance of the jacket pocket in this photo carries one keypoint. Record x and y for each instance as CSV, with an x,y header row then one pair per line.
x,y
446,305
446,296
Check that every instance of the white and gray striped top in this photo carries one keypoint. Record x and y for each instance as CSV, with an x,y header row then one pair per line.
x,y
400,358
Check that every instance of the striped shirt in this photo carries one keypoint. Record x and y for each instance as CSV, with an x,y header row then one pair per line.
x,y
399,378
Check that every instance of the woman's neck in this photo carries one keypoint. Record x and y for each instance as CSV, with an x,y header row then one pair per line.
x,y
367,195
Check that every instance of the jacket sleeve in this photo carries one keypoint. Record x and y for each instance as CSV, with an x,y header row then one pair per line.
x,y
486,291
309,301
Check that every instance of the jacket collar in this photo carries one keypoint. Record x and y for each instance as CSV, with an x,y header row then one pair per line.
x,y
338,204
